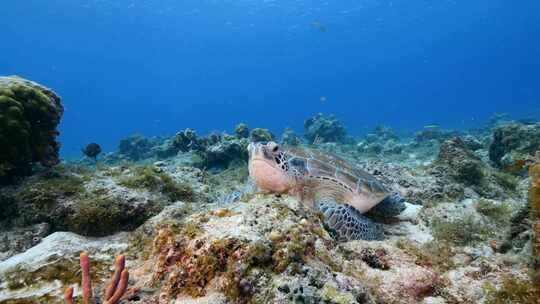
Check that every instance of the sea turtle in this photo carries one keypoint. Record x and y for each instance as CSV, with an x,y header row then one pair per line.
x,y
340,191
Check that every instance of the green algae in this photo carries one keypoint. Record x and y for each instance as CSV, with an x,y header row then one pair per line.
x,y
462,231
431,254
534,203
331,294
500,213
151,179
507,181
65,270
513,290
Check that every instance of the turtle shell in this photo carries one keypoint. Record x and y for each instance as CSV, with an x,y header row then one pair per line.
x,y
327,175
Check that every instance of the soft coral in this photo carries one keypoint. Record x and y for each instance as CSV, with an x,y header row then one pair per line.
x,y
114,292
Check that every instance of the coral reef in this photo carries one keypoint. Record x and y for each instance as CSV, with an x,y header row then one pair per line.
x,y
194,229
135,147
290,138
321,128
534,202
241,130
514,142
186,140
433,133
260,134
226,151
29,116
460,163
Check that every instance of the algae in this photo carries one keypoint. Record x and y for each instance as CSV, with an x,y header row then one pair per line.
x,y
151,179
462,232
500,213
513,290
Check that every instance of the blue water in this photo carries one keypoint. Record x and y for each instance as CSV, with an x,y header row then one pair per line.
x,y
158,66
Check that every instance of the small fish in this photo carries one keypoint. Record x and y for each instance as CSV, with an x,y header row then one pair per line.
x,y
318,25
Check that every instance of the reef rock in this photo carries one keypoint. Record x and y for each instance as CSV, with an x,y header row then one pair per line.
x,y
242,130
458,169
456,160
324,129
260,134
434,133
136,147
29,115
40,274
225,152
514,142
290,138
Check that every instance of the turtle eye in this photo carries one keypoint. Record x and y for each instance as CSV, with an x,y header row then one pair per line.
x,y
275,148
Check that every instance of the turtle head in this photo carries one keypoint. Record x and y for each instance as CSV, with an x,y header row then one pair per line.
x,y
267,166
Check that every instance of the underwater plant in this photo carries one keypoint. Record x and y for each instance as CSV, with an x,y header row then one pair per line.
x,y
114,292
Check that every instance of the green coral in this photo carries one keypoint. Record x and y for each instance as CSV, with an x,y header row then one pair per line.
x,y
29,115
149,178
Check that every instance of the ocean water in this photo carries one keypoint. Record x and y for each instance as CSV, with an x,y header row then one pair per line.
x,y
158,66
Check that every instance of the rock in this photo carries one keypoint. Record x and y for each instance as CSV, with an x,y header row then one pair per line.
x,y
67,202
225,152
260,134
324,129
242,130
472,143
514,142
29,116
40,274
384,133
434,133
186,140
459,162
136,147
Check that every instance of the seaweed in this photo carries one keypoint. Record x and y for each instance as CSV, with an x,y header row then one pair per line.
x,y
500,213
462,232
513,290
151,179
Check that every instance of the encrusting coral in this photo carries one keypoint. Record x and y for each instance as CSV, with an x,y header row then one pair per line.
x,y
114,292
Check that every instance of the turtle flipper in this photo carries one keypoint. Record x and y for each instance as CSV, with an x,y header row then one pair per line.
x,y
346,224
391,206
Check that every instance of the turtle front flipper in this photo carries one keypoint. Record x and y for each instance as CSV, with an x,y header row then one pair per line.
x,y
345,223
389,207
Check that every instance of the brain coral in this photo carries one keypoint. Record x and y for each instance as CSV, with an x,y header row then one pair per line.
x,y
29,115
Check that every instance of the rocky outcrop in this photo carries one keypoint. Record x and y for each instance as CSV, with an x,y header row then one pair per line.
x,y
290,138
514,142
260,134
29,116
322,129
